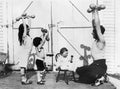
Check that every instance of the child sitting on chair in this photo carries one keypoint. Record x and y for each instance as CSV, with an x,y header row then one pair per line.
x,y
63,61
40,57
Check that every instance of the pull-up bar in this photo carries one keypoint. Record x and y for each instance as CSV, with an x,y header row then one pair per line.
x,y
32,28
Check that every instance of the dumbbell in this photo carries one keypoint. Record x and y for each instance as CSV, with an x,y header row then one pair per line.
x,y
92,7
47,38
44,30
85,47
101,7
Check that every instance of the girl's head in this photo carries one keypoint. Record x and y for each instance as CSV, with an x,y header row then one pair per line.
x,y
95,35
21,31
64,52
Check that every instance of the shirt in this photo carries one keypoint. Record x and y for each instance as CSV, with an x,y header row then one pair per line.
x,y
97,51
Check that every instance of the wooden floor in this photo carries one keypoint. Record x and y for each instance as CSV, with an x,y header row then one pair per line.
x,y
12,81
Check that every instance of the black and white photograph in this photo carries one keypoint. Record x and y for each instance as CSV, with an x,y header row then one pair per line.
x,y
59,44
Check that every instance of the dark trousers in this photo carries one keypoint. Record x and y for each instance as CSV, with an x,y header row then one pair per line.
x,y
89,74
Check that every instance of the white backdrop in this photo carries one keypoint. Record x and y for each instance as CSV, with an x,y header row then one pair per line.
x,y
65,13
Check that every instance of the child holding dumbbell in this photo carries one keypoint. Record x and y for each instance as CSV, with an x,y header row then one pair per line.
x,y
64,62
38,42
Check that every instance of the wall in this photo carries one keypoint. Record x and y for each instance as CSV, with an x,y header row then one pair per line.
x,y
117,35
68,16
3,29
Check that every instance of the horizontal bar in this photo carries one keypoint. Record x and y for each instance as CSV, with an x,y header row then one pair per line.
x,y
32,28
74,27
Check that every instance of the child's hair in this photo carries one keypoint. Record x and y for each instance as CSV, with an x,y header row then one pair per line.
x,y
20,33
95,32
62,50
37,41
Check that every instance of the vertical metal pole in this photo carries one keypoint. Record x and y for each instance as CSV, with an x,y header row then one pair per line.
x,y
13,34
49,45
29,22
96,2
51,35
7,31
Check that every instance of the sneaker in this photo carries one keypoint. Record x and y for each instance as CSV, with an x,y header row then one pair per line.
x,y
97,83
40,83
26,82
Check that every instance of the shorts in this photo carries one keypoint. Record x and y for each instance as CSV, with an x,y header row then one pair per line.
x,y
40,65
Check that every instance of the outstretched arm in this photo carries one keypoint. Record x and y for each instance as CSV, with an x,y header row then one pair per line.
x,y
96,23
24,25
44,38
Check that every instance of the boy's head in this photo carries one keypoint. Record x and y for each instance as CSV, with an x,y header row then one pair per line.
x,y
64,52
37,41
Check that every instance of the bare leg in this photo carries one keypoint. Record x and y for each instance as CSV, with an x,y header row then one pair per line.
x,y
24,80
23,75
39,78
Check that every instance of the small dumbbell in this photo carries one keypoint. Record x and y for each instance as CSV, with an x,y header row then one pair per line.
x,y
89,10
44,30
92,7
85,47
101,7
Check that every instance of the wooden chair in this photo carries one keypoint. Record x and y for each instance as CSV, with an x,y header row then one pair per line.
x,y
66,73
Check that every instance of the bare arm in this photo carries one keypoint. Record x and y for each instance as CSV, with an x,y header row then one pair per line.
x,y
93,18
24,25
44,39
97,26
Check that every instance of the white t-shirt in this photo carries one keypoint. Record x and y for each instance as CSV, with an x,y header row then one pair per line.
x,y
40,54
63,62
98,50
25,50
27,42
